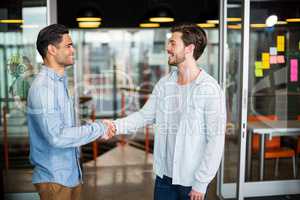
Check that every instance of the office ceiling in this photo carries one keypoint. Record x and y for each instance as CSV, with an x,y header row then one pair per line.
x,y
128,13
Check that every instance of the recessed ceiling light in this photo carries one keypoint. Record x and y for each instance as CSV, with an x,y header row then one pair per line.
x,y
271,20
161,19
206,25
88,19
258,25
89,24
293,20
213,21
149,25
11,21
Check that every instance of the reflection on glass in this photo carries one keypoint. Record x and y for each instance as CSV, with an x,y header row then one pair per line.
x,y
273,89
19,62
137,57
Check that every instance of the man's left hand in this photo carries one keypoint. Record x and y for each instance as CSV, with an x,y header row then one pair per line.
x,y
194,195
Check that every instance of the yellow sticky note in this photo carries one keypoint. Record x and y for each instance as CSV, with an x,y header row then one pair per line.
x,y
265,61
258,65
280,43
259,73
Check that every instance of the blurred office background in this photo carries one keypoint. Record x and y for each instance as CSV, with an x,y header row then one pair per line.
x,y
120,56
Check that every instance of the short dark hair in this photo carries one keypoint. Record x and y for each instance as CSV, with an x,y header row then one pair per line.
x,y
51,34
192,34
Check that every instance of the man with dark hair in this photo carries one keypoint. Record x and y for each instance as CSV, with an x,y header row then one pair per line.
x,y
188,109
54,137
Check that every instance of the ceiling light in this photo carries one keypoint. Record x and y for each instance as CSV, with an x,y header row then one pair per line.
x,y
258,25
25,26
149,25
234,26
161,13
214,21
293,20
169,35
89,24
161,19
206,25
11,21
88,19
271,20
231,5
229,19
281,22
234,19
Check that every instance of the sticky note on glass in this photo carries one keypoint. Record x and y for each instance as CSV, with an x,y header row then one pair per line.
x,y
294,70
265,60
280,59
273,59
280,43
273,51
258,65
259,73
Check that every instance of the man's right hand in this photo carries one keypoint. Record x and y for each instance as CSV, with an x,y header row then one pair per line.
x,y
111,129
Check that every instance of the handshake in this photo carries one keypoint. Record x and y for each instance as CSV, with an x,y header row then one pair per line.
x,y
111,129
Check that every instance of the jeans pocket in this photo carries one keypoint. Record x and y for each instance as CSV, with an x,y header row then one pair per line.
x,y
161,183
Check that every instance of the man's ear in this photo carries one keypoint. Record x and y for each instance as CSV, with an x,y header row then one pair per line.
x,y
51,49
190,48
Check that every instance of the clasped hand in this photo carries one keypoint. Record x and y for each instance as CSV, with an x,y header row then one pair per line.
x,y
111,129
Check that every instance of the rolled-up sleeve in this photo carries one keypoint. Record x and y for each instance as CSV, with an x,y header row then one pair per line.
x,y
47,117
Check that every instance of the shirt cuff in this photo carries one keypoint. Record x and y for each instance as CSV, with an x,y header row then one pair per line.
x,y
101,128
117,126
200,187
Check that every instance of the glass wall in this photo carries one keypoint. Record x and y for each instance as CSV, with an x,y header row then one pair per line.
x,y
267,158
118,68
19,62
233,74
114,73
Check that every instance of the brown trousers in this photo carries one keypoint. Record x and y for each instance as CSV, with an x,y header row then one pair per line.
x,y
54,191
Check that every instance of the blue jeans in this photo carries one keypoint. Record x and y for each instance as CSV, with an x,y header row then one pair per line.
x,y
164,190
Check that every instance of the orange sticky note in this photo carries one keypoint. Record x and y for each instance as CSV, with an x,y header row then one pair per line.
x,y
273,59
280,43
265,60
280,59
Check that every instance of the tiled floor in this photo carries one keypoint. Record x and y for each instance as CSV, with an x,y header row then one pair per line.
x,y
122,173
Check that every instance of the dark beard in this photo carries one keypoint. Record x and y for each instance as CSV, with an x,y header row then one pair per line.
x,y
176,62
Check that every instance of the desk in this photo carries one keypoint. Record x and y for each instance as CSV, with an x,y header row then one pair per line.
x,y
270,128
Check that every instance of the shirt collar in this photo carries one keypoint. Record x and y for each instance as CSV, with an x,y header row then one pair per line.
x,y
52,74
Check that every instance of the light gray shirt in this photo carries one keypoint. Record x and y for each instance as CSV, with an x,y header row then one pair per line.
x,y
201,131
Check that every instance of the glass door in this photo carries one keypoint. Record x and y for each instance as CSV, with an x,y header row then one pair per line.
x,y
232,70
267,97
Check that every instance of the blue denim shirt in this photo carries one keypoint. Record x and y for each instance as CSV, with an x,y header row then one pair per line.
x,y
54,139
